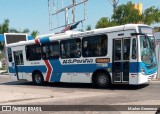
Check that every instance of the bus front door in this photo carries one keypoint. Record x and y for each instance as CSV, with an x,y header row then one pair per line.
x,y
18,58
121,52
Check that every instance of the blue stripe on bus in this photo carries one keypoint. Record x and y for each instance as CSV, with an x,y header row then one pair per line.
x,y
134,67
58,69
28,69
44,40
147,71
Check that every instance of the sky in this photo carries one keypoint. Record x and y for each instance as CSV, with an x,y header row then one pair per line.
x,y
33,14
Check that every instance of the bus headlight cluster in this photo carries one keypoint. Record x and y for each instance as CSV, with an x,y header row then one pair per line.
x,y
143,71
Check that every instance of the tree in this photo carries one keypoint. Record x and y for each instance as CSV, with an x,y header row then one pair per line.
x,y
126,13
4,27
13,30
34,33
105,22
151,15
26,30
88,27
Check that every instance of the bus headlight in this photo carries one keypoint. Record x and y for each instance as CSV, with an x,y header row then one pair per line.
x,y
143,71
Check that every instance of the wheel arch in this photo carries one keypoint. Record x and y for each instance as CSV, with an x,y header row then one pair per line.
x,y
98,71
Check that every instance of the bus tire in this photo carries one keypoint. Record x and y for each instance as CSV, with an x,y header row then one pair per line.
x,y
38,78
102,80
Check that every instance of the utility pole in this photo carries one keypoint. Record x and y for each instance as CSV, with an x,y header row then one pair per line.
x,y
73,11
114,3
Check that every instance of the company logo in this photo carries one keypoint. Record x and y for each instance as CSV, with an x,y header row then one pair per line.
x,y
6,108
69,61
21,108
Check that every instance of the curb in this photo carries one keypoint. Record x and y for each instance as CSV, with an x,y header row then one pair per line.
x,y
4,72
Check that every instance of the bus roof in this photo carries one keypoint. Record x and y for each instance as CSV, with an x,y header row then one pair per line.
x,y
70,34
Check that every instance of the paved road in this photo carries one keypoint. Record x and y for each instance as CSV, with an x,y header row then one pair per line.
x,y
25,93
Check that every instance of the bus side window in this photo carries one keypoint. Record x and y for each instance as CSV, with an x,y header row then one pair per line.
x,y
33,52
71,48
27,52
134,48
45,51
9,54
126,49
95,46
54,50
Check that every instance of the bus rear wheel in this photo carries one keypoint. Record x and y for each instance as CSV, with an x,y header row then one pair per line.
x,y
38,78
102,80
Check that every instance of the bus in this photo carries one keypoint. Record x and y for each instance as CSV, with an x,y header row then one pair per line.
x,y
122,54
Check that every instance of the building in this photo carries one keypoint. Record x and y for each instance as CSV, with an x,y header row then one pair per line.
x,y
138,6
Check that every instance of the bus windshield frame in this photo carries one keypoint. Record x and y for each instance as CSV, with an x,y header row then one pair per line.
x,y
147,49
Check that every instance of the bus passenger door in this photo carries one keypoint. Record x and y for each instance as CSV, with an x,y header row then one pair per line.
x,y
121,52
18,58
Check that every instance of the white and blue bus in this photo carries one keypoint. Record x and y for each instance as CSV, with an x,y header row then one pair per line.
x,y
115,55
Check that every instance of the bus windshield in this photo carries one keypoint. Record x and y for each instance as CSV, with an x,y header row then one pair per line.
x,y
147,50
152,42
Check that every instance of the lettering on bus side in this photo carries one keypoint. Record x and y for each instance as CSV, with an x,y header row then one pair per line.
x,y
34,63
83,34
69,61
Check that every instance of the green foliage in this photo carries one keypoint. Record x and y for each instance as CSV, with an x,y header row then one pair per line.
x,y
13,30
4,27
1,46
151,15
126,13
26,30
105,22
88,27
34,33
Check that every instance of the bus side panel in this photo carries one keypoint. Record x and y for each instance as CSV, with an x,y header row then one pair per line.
x,y
31,66
133,77
75,72
12,71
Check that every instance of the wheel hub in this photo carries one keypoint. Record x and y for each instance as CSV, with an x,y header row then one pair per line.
x,y
38,78
102,80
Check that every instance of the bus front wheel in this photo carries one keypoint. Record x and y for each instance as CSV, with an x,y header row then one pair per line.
x,y
102,80
38,78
